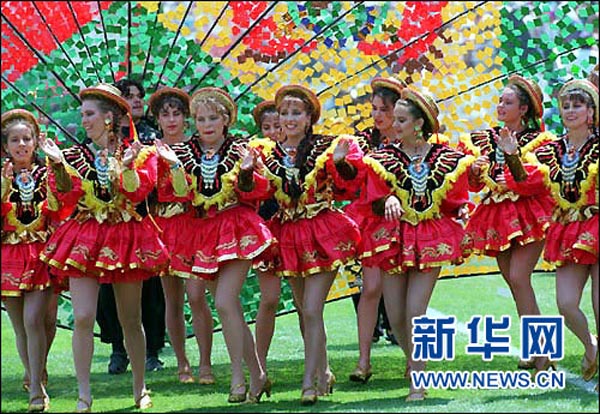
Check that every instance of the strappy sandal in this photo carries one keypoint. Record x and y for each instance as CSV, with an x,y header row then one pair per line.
x,y
206,378
416,395
237,397
39,407
87,404
144,401
309,399
185,377
361,375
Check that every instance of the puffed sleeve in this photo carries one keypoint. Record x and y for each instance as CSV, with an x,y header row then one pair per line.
x,y
458,196
137,183
65,187
348,174
173,185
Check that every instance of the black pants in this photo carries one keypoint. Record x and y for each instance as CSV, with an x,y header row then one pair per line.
x,y
153,315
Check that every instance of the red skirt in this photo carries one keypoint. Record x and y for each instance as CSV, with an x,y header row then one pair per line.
x,y
315,245
112,253
398,246
202,244
494,227
22,269
575,242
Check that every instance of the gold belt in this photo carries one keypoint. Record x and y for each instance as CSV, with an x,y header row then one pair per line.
x,y
167,210
303,211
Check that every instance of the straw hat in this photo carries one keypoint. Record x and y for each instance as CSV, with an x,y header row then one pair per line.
x,y
157,97
306,93
533,90
220,95
20,114
392,83
109,92
426,103
586,86
259,109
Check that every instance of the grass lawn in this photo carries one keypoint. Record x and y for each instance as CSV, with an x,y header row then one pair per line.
x,y
385,392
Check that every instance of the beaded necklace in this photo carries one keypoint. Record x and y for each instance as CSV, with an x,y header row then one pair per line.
x,y
569,163
101,164
209,162
26,184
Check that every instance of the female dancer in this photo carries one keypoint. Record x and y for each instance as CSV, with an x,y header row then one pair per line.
x,y
225,233
314,237
171,108
104,240
26,290
567,170
505,225
415,191
386,91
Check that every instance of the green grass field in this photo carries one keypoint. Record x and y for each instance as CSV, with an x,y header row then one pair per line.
x,y
385,392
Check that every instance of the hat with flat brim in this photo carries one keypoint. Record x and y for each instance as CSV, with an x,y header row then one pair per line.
x,y
427,105
586,86
20,114
220,95
108,92
394,84
533,90
259,109
309,95
163,92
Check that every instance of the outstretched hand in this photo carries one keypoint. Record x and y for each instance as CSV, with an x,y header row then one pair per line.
x,y
341,150
165,152
51,149
463,213
250,159
131,153
7,170
507,141
478,164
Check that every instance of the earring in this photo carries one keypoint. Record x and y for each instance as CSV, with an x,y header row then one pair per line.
x,y
418,133
107,124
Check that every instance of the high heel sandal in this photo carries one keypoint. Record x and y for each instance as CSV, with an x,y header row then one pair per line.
x,y
237,397
331,380
361,375
185,377
266,389
144,401
39,407
206,378
526,363
416,395
309,399
87,404
589,368
548,363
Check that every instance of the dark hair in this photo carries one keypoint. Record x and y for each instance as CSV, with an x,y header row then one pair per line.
x,y
105,105
530,117
124,84
389,97
167,101
578,95
9,125
416,112
269,110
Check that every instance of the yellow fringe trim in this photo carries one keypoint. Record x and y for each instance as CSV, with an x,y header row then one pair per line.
x,y
555,187
36,225
537,141
311,178
266,146
438,195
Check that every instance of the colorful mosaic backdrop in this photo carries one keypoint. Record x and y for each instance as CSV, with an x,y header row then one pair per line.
x,y
461,52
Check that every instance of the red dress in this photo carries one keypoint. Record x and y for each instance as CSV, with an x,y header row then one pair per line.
x,y
24,234
221,224
504,217
313,235
572,182
105,238
430,191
